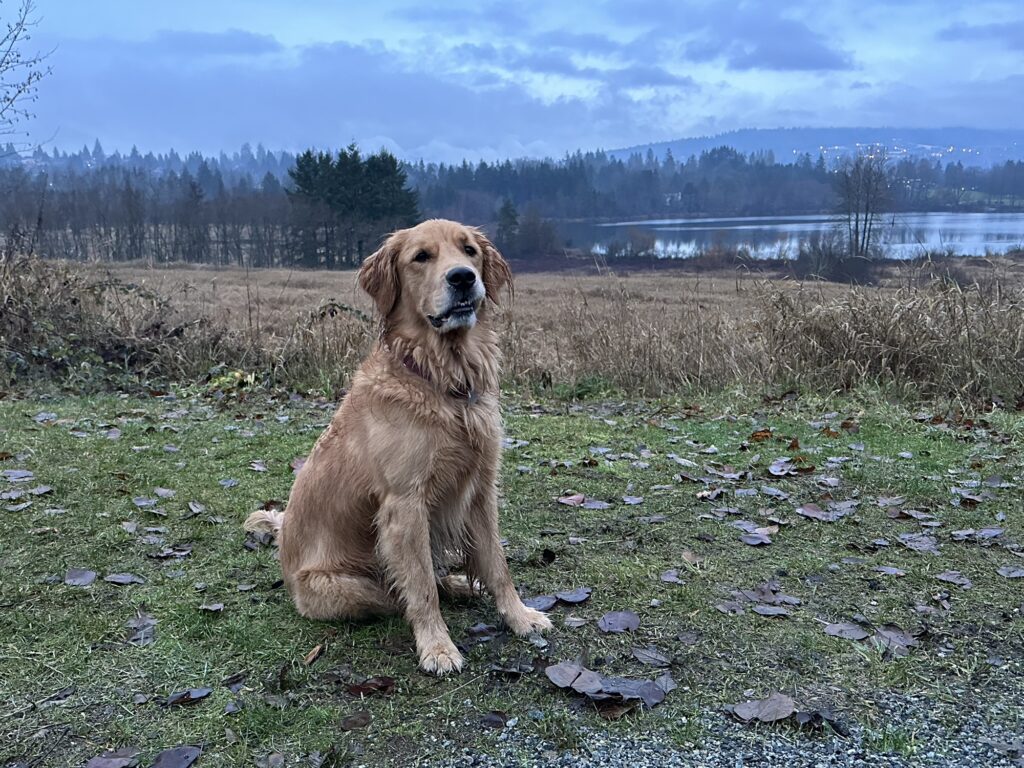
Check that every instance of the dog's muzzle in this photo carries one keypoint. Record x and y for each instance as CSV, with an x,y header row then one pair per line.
x,y
464,295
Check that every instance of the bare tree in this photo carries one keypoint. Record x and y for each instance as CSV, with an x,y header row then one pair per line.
x,y
20,72
863,187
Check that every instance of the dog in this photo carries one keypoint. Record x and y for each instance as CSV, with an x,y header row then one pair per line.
x,y
403,484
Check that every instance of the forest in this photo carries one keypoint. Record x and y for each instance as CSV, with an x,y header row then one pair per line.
x,y
321,209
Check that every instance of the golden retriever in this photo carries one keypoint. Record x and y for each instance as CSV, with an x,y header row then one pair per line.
x,y
402,485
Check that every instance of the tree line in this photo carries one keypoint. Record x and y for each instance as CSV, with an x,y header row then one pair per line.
x,y
320,209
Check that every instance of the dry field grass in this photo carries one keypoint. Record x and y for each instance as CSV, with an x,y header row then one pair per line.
x,y
953,330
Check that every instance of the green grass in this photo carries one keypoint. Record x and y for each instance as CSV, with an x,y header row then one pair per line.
x,y
53,636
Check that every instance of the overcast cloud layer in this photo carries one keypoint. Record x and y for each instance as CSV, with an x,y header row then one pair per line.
x,y
447,80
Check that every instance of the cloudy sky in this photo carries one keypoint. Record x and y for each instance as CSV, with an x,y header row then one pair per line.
x,y
447,80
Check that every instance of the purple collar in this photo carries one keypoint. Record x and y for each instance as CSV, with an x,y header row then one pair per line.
x,y
465,393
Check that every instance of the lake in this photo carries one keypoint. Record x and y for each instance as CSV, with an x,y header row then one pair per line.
x,y
904,235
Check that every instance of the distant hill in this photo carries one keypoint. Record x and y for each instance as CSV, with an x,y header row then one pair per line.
x,y
970,146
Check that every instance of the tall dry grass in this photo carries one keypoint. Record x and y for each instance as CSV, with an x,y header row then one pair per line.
x,y
643,333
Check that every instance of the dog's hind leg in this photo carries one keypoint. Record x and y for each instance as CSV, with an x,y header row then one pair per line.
x,y
458,586
321,594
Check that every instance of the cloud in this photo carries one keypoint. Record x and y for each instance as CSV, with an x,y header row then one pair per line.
x,y
1010,34
232,42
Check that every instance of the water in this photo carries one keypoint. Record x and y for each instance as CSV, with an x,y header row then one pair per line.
x,y
903,235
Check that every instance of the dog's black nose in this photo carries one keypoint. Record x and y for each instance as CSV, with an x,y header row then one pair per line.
x,y
460,277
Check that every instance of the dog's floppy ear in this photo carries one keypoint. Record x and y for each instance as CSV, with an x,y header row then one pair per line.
x,y
378,275
497,274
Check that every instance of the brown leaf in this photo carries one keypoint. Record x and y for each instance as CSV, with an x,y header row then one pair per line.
x,y
619,621
893,640
920,542
770,610
178,757
564,673
122,579
847,631
776,707
542,603
889,570
79,577
382,685
576,596
955,577
313,655
360,719
495,719
651,656
125,757
671,577
187,697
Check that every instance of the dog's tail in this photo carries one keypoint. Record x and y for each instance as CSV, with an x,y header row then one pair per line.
x,y
264,521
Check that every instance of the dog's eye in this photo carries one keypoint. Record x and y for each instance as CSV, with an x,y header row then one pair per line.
x,y
469,249
422,256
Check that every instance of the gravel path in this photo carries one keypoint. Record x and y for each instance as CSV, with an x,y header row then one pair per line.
x,y
991,737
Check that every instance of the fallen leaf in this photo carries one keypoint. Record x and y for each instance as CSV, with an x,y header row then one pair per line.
x,y
382,685
889,570
776,707
671,577
212,607
360,719
847,631
122,579
178,757
619,621
770,610
495,719
125,757
542,603
576,596
313,655
79,577
893,640
143,629
955,577
564,673
1011,572
651,656
187,697
920,542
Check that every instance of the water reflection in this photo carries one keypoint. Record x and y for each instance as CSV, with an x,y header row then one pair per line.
x,y
901,235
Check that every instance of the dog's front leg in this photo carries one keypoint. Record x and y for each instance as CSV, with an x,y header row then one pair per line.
x,y
487,562
403,545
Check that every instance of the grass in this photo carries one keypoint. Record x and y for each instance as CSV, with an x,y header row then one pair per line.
x,y
70,678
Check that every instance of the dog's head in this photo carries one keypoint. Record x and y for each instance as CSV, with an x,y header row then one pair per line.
x,y
437,273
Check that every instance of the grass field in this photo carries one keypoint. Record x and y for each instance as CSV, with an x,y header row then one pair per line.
x,y
157,488
952,330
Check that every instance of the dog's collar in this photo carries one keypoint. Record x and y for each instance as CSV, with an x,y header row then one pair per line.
x,y
459,393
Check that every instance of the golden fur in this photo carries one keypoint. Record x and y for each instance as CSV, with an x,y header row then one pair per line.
x,y
402,485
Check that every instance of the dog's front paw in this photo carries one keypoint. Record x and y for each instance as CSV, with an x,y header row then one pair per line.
x,y
441,658
526,621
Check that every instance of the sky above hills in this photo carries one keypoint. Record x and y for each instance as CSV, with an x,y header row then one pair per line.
x,y
447,80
